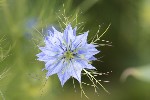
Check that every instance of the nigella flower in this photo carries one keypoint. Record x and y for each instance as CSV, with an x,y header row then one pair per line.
x,y
67,54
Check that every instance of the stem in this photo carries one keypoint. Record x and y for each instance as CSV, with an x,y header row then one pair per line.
x,y
96,80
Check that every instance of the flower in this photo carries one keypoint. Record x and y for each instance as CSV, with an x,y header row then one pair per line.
x,y
67,54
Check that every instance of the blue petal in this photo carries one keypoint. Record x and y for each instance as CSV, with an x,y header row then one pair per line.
x,y
91,45
53,44
45,58
75,71
74,31
50,33
55,31
55,68
40,55
48,51
93,51
69,34
92,58
56,37
85,64
80,40
63,77
51,62
82,51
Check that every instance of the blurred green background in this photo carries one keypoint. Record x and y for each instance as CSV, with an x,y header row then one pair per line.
x,y
129,54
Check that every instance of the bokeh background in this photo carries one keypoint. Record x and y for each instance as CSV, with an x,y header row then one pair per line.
x,y
21,77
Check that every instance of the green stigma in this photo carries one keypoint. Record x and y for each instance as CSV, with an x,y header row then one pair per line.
x,y
68,55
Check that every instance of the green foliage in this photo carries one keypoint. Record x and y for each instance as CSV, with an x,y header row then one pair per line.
x,y
23,21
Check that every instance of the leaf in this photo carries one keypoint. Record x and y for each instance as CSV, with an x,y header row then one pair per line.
x,y
141,73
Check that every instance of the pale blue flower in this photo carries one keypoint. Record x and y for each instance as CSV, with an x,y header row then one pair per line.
x,y
67,54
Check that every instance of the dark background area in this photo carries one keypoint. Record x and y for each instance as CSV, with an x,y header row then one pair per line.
x,y
129,33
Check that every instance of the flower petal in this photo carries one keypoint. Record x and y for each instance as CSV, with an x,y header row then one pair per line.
x,y
75,71
63,77
80,40
85,64
69,34
55,68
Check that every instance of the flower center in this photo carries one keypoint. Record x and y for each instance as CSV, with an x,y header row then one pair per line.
x,y
68,55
